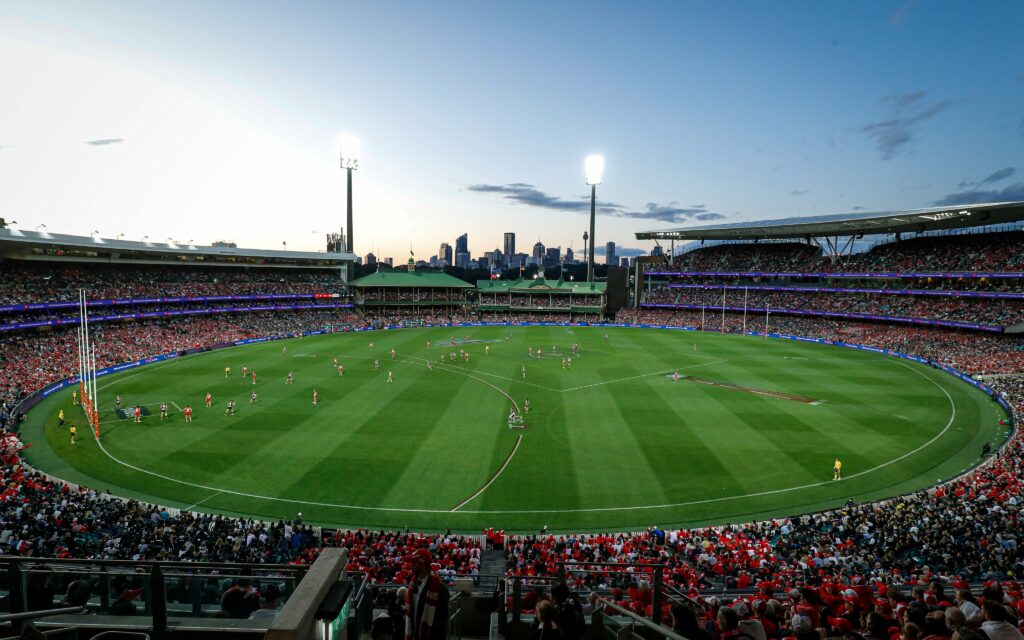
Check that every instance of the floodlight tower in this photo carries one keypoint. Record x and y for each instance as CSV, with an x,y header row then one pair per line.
x,y
593,166
351,153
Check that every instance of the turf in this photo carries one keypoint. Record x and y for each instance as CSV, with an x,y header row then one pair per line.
x,y
749,430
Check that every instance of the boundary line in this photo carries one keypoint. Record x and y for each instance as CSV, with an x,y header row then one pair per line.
x,y
494,477
586,510
209,497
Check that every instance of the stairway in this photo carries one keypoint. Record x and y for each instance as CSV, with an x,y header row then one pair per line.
x,y
492,569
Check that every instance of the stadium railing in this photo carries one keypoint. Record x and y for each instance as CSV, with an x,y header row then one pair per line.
x,y
174,596
625,625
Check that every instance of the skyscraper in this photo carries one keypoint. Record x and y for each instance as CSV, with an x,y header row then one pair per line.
x,y
462,244
538,251
444,254
510,243
609,254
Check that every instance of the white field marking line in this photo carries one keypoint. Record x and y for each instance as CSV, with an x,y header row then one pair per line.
x,y
456,369
145,370
469,375
587,510
515,448
176,406
643,375
212,495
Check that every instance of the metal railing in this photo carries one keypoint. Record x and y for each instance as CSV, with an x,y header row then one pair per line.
x,y
599,619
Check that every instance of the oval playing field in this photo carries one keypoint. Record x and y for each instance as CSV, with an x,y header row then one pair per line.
x,y
750,429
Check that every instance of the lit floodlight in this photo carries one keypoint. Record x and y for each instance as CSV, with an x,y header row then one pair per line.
x,y
351,151
593,166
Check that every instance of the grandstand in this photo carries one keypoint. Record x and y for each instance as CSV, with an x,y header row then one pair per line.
x,y
545,298
951,300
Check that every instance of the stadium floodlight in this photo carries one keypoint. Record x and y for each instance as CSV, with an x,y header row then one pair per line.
x,y
351,154
593,167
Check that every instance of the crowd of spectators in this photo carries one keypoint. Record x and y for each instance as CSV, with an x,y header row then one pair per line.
x,y
992,312
985,252
47,282
759,257
420,295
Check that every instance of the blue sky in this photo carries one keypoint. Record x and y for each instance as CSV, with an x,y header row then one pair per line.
x,y
222,117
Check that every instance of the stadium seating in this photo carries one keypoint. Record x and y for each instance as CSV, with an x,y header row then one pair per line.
x,y
964,530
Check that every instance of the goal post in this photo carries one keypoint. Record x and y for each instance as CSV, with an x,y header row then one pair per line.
x,y
87,367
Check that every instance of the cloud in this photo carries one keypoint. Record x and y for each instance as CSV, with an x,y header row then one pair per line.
x,y
996,176
909,110
799,193
529,195
1010,193
621,252
102,142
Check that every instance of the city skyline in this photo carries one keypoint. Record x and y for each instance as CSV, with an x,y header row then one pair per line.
x,y
130,121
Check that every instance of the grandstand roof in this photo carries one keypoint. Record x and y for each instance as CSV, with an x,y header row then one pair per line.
x,y
538,285
41,245
850,224
419,279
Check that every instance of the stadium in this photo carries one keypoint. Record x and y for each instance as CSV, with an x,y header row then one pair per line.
x,y
775,394
920,333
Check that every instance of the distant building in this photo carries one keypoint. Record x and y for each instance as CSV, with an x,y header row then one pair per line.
x,y
462,259
483,262
516,260
371,259
444,254
538,252
624,262
551,256
389,261
225,244
609,254
462,245
658,250
570,257
495,258
510,243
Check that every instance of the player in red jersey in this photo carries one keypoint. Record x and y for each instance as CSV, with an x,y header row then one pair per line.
x,y
341,371
316,396
209,399
254,377
138,413
188,413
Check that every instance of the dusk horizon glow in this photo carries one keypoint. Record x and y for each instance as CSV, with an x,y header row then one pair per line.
x,y
221,121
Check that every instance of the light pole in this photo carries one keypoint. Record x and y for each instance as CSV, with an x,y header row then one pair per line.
x,y
593,166
351,152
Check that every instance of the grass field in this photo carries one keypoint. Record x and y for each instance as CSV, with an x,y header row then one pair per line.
x,y
614,443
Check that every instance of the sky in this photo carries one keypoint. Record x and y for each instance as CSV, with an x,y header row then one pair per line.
x,y
220,120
